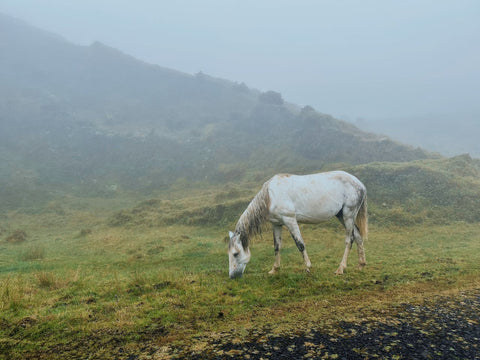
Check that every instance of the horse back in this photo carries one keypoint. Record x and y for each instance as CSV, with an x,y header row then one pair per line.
x,y
313,198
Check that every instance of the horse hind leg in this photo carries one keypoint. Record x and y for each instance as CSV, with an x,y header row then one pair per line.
x,y
361,250
349,238
277,243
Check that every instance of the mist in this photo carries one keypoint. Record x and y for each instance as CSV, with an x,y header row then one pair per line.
x,y
383,62
133,136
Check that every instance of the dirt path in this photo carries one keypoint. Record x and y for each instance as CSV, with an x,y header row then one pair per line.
x,y
440,328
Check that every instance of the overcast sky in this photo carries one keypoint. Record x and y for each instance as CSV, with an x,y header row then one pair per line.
x,y
348,58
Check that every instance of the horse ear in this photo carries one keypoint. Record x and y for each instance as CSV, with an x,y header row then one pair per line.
x,y
230,234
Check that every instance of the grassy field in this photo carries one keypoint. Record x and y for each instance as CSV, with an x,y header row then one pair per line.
x,y
82,279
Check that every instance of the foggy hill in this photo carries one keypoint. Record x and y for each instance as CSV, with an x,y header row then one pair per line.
x,y
104,86
92,119
449,134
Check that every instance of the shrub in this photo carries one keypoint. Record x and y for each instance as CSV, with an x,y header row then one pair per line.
x,y
16,237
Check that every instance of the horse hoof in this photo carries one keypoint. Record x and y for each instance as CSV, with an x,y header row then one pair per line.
x,y
339,272
272,272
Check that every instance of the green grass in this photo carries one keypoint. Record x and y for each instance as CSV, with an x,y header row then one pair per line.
x,y
78,279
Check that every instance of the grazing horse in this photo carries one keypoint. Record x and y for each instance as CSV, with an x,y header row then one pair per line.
x,y
291,199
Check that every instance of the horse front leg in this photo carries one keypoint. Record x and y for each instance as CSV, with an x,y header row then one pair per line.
x,y
292,225
277,244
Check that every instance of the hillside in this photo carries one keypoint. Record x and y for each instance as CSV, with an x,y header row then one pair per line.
x,y
92,120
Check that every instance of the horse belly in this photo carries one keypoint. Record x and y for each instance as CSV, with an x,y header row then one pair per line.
x,y
314,212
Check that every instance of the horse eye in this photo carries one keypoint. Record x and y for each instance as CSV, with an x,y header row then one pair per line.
x,y
235,254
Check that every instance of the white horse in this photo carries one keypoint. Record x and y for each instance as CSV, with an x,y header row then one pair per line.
x,y
291,199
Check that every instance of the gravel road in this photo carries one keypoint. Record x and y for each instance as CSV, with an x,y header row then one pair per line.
x,y
440,328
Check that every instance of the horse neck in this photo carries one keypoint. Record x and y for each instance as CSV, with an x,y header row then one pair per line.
x,y
250,223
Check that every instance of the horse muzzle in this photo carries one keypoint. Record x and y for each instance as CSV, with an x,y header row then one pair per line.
x,y
238,271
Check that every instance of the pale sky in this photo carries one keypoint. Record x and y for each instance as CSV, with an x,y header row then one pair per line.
x,y
348,58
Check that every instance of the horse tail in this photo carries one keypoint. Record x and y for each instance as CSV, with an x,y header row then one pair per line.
x,y
362,219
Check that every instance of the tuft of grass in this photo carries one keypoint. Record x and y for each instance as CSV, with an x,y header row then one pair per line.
x,y
46,280
34,252
12,294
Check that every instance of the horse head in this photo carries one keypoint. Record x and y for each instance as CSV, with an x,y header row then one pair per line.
x,y
238,256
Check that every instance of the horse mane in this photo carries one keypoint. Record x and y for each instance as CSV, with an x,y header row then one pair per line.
x,y
256,213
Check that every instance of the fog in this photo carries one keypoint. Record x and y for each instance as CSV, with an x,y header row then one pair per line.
x,y
135,134
373,63
373,58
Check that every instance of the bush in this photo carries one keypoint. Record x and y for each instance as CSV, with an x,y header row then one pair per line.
x,y
16,237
